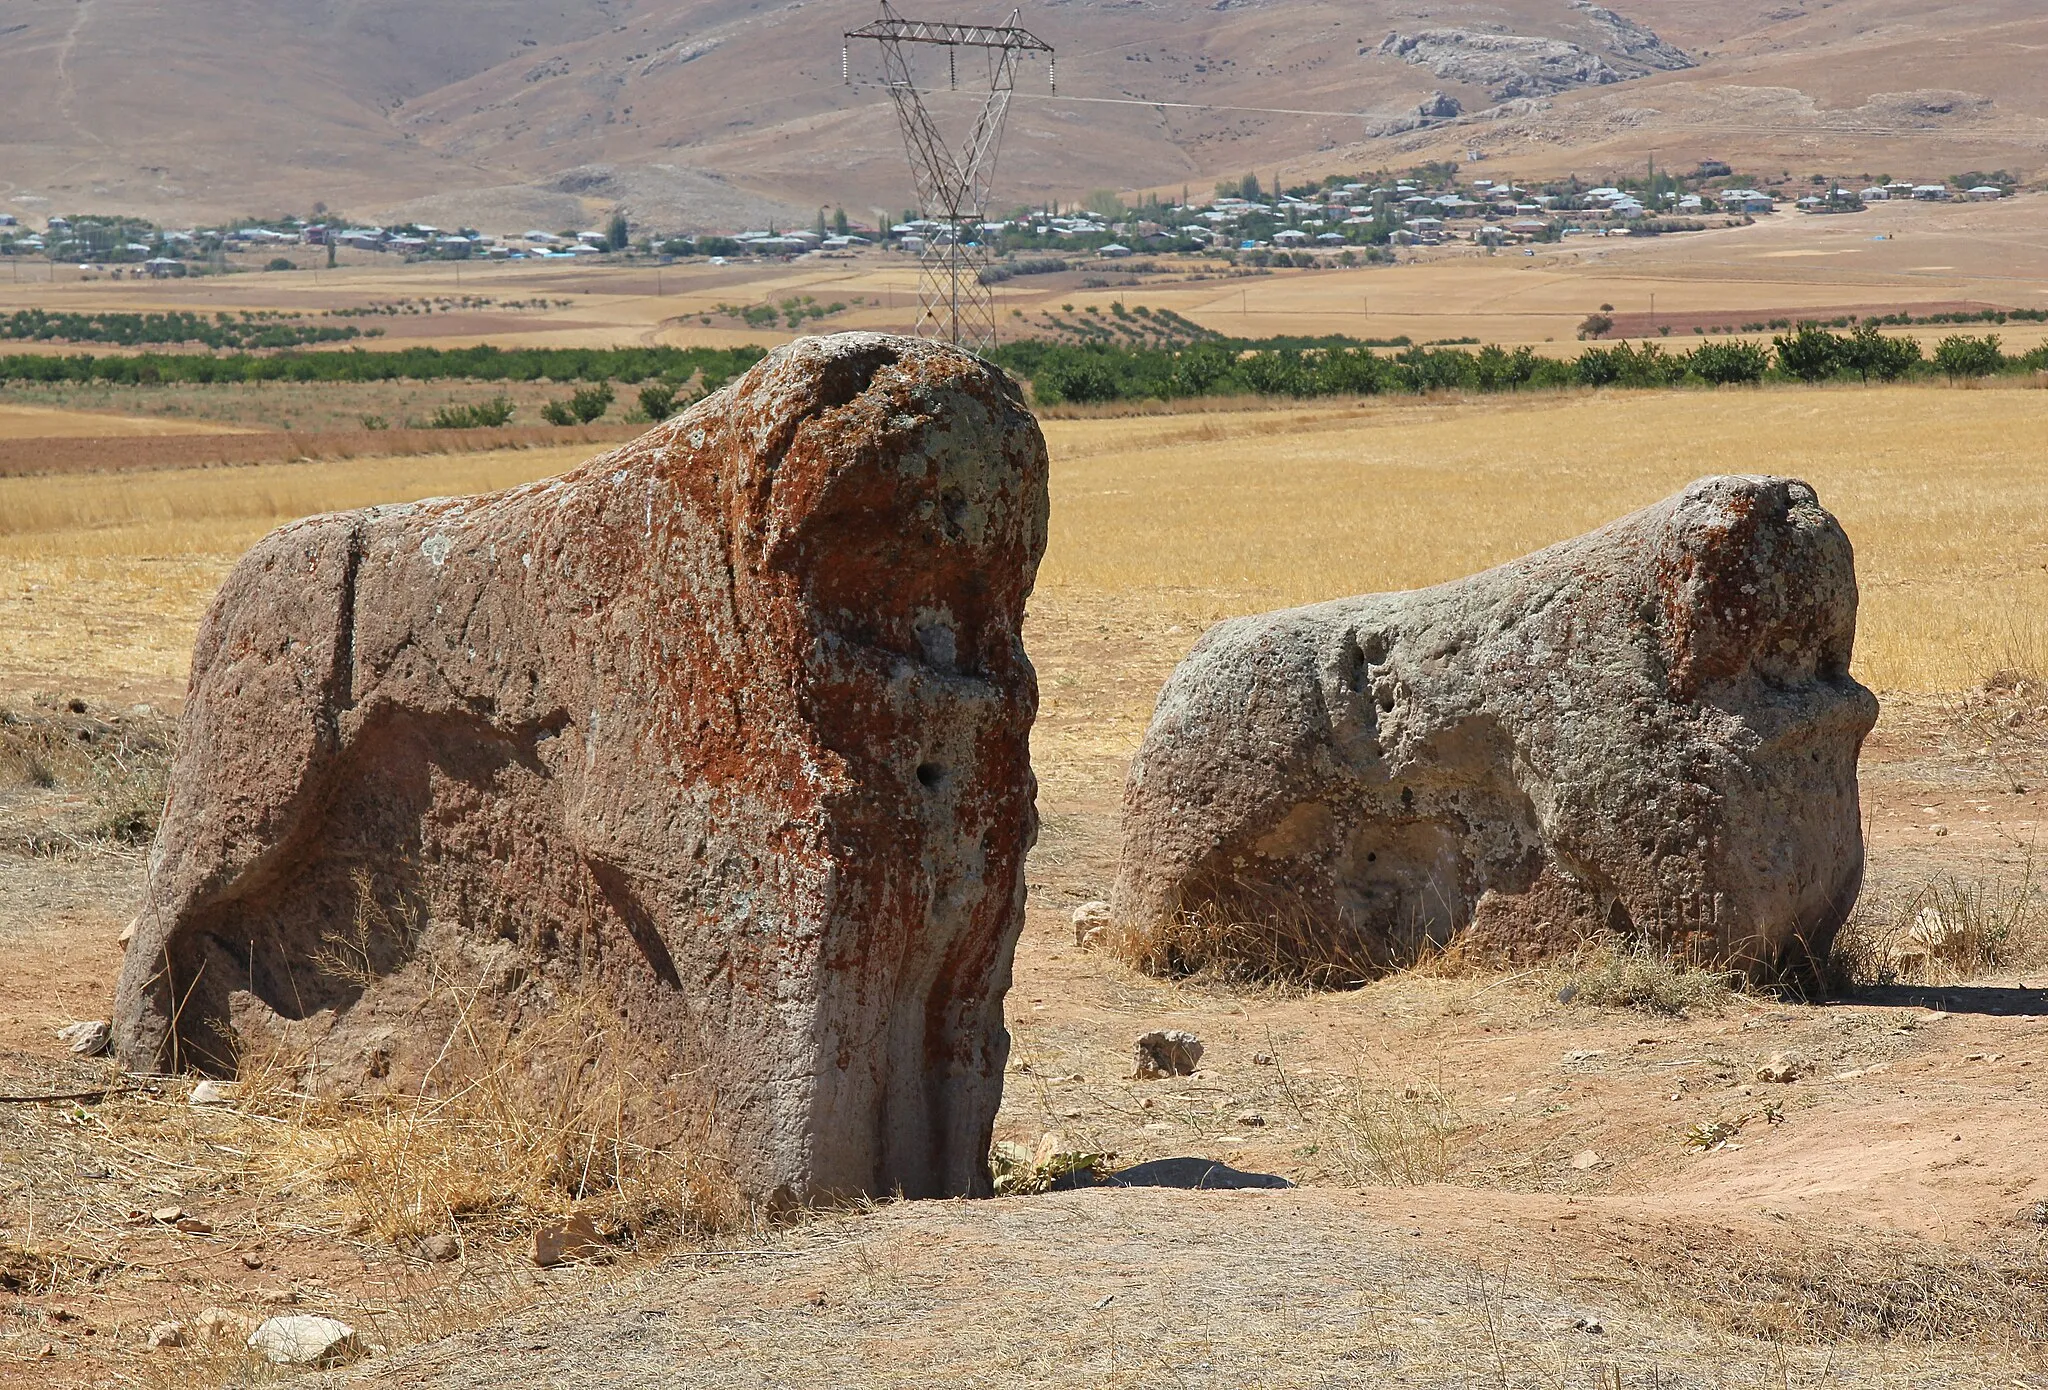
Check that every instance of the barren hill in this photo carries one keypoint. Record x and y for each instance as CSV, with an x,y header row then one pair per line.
x,y
718,112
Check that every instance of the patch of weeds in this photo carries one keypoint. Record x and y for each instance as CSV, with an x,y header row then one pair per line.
x,y
1709,1135
1020,1172
1609,973
31,1272
477,415
1251,943
121,765
1945,930
1381,1135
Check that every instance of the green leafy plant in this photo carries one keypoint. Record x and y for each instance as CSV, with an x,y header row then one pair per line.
x,y
1960,357
480,415
1020,1172
658,401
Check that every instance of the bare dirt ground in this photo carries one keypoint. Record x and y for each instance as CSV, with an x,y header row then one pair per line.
x,y
1483,1163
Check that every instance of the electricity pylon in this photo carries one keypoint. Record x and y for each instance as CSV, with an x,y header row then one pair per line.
x,y
953,302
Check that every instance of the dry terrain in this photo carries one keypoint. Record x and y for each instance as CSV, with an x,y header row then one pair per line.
x,y
1494,1184
715,113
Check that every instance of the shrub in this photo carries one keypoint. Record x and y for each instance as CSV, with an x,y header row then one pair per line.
x,y
1811,354
658,401
1959,356
1626,365
1496,369
1869,353
483,415
280,263
1728,364
591,402
557,413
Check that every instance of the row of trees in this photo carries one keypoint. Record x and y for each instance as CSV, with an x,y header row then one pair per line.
x,y
712,367
1097,372
246,332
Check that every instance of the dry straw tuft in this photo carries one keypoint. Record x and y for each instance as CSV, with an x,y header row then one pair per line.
x,y
569,1112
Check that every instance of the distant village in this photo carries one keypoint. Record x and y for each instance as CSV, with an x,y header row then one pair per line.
x,y
1335,222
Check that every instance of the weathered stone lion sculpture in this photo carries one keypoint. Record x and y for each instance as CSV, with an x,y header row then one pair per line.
x,y
1650,729
732,722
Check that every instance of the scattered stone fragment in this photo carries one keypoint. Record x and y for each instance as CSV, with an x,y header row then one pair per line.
x,y
169,1216
1169,1052
87,1039
1783,1067
731,724
305,1339
217,1322
1590,1325
441,1247
574,1239
1585,1159
212,1092
275,1298
167,1334
1091,920
1264,1059
1251,1119
356,1225
195,1225
252,1261
1650,730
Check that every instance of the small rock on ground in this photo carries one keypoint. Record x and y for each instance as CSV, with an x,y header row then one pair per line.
x,y
305,1339
1782,1067
574,1239
1091,920
1167,1052
87,1039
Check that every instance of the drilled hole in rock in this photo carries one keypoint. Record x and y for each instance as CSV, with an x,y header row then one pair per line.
x,y
1355,668
931,774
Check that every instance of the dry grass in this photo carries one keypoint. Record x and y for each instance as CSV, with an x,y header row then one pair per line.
x,y
1193,519
114,765
1945,929
1891,1291
1250,945
1609,973
221,512
1938,488
574,1113
511,1130
1376,1133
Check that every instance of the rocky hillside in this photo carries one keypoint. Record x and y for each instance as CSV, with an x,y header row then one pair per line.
x,y
710,113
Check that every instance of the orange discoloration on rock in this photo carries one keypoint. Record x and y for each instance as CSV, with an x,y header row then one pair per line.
x,y
733,719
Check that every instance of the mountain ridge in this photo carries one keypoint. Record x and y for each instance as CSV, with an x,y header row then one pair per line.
x,y
720,113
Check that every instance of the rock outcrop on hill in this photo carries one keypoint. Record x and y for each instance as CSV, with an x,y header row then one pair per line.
x,y
731,724
1511,66
1651,729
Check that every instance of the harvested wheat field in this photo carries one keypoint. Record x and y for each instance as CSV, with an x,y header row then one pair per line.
x,y
1567,1175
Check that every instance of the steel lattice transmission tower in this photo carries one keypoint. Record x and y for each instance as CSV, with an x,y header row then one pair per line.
x,y
952,181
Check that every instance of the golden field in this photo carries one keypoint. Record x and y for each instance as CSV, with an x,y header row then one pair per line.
x,y
1171,521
